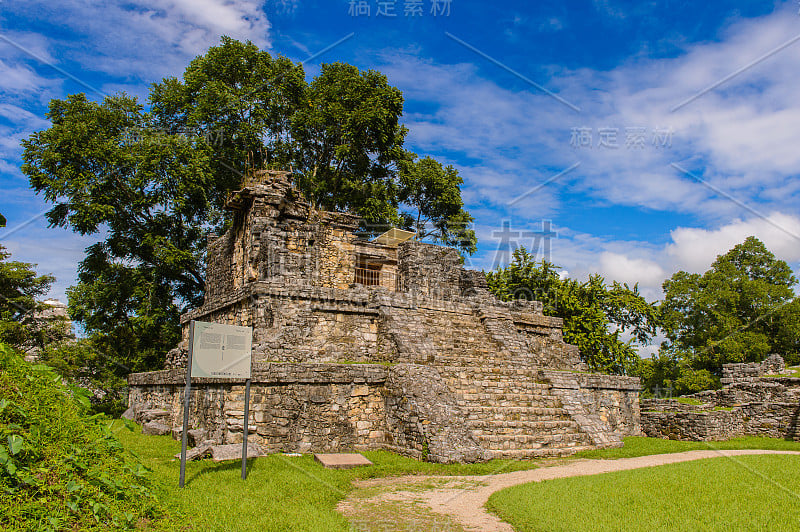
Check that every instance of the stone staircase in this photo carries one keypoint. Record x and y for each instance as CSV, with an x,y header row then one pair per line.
x,y
510,409
512,414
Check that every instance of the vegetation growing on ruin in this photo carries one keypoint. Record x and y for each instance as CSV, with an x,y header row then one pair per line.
x,y
595,315
150,179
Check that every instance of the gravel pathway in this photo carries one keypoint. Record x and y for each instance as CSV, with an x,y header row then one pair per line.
x,y
461,500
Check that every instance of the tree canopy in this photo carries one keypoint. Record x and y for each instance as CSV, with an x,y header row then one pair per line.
x,y
150,181
740,310
433,193
595,315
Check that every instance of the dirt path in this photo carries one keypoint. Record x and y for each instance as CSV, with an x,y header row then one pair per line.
x,y
457,503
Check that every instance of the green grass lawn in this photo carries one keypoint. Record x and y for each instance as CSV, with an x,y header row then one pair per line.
x,y
745,493
688,401
641,446
280,493
296,493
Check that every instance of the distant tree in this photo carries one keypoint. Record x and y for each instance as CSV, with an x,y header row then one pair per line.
x,y
127,311
595,315
90,368
740,310
20,288
665,375
433,192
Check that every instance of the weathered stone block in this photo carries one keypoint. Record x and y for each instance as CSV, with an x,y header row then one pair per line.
x,y
154,428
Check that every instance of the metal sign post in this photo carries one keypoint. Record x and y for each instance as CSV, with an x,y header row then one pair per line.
x,y
244,441
184,434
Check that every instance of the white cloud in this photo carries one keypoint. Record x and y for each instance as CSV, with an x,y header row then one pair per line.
x,y
17,78
694,249
619,267
740,138
147,39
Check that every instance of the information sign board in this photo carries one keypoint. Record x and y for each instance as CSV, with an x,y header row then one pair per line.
x,y
221,351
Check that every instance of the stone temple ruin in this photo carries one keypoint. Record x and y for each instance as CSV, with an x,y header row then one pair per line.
x,y
379,344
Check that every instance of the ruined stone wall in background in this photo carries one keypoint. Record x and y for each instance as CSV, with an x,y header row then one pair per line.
x,y
751,406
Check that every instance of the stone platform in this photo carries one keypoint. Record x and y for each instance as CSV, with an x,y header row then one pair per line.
x,y
341,460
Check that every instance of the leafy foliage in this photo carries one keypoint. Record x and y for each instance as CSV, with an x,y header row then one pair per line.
x,y
595,315
434,192
666,375
59,469
20,285
82,364
152,183
349,141
742,309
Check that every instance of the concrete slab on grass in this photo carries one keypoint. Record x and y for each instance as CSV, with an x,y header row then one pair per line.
x,y
341,460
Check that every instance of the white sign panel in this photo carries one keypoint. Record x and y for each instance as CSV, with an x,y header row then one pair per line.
x,y
221,351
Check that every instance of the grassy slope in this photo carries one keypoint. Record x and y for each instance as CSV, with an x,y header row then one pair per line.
x,y
280,493
745,493
59,468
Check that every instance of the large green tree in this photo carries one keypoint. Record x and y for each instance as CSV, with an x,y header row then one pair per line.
x,y
595,315
433,194
349,141
151,181
740,310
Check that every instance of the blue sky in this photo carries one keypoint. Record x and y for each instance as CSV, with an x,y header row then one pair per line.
x,y
652,135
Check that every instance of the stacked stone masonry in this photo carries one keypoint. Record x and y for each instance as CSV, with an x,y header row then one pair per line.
x,y
360,345
753,403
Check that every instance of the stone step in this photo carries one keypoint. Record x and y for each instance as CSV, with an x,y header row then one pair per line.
x,y
493,381
526,436
508,399
514,412
484,358
506,402
519,454
497,385
531,441
488,368
504,426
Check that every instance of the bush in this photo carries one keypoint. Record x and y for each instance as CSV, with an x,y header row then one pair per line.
x,y
82,365
59,468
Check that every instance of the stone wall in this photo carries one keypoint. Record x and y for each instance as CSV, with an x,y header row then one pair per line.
x,y
293,407
772,365
763,407
606,406
677,421
427,412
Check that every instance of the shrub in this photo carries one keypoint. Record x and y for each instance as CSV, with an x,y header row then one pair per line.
x,y
61,469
